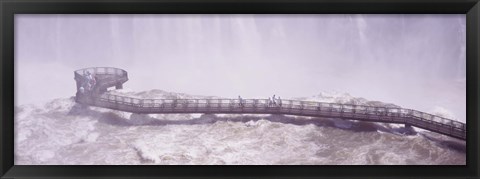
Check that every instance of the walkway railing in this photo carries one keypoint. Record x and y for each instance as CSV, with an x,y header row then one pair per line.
x,y
107,77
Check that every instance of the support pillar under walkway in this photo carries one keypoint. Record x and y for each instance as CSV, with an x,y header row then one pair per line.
x,y
119,86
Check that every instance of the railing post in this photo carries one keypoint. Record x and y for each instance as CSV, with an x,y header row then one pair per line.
x,y
196,104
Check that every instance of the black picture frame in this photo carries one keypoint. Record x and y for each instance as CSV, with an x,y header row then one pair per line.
x,y
8,8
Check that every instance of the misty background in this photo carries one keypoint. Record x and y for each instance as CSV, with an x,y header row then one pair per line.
x,y
415,61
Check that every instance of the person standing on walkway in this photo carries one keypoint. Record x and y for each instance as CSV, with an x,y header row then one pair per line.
x,y
240,101
273,100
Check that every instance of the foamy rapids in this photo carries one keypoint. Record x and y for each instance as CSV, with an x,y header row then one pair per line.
x,y
62,132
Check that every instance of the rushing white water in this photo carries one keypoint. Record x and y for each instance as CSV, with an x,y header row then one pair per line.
x,y
63,132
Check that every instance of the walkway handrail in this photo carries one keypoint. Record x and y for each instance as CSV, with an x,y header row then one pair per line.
x,y
297,104
102,71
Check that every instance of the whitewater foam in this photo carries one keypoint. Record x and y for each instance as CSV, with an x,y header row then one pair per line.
x,y
65,133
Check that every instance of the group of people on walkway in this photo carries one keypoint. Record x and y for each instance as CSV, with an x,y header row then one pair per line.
x,y
270,102
274,101
88,83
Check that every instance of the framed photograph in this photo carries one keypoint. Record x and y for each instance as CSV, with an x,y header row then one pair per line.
x,y
239,88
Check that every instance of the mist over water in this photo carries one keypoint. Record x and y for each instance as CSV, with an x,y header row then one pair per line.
x,y
414,61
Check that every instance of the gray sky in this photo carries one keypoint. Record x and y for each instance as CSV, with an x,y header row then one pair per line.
x,y
417,61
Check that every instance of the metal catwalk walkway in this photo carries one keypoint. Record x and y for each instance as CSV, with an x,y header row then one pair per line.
x,y
113,77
